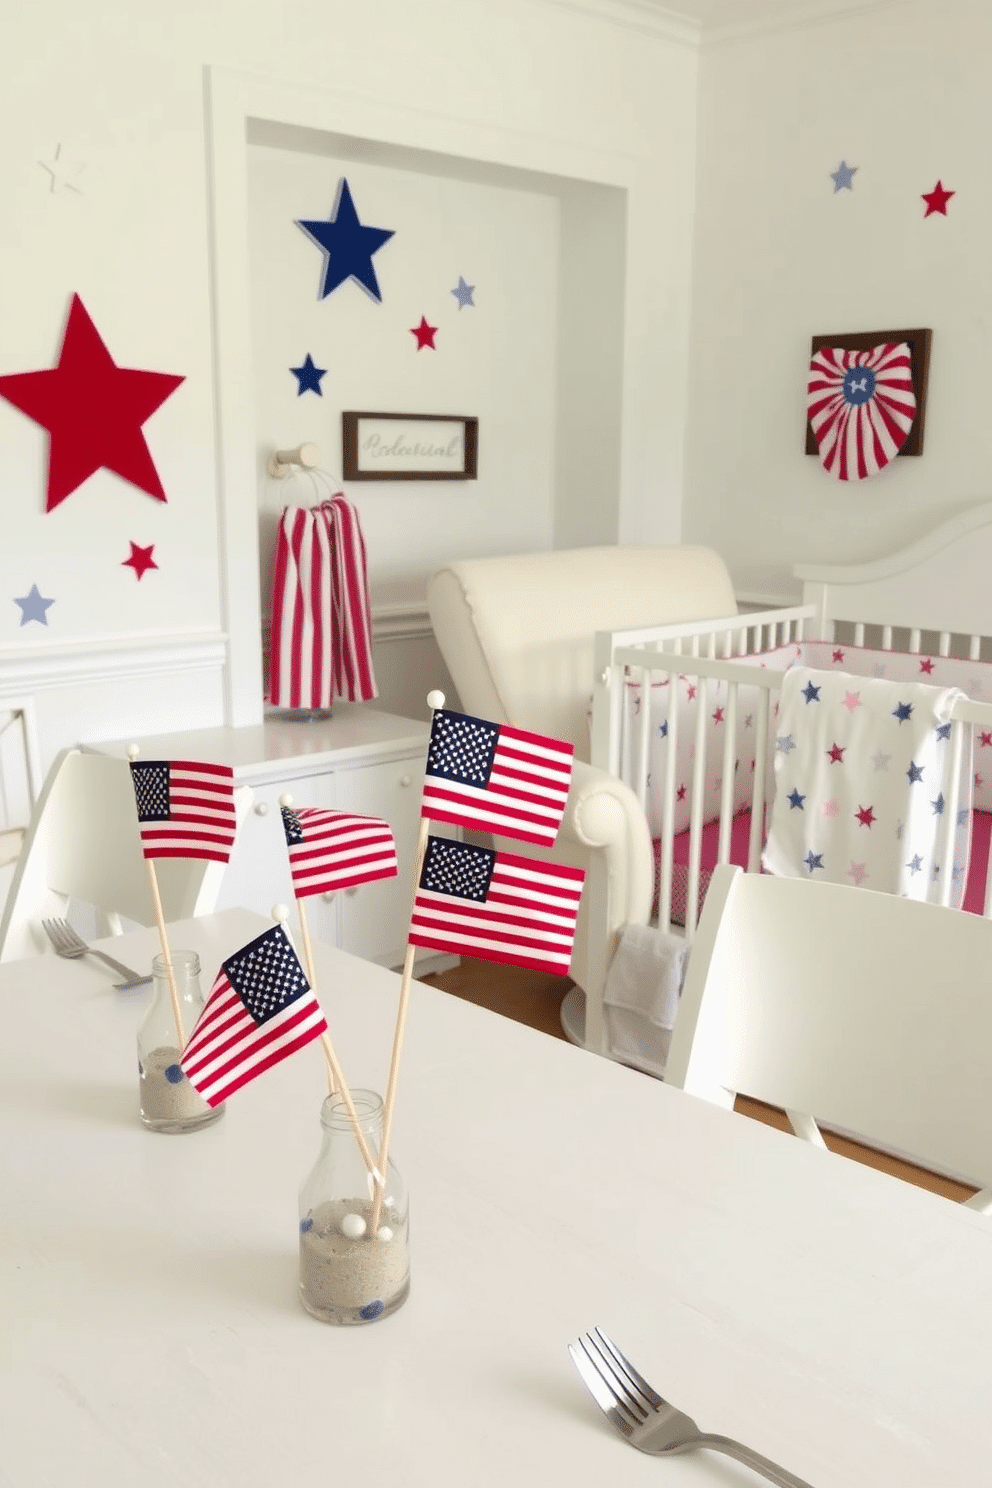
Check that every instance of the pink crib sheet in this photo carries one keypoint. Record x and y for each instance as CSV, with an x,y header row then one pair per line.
x,y
974,894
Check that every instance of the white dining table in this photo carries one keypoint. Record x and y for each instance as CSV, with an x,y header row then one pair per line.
x,y
834,1318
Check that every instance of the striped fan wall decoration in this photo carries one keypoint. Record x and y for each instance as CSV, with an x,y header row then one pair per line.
x,y
861,407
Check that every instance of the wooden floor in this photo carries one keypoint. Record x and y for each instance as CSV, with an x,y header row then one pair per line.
x,y
535,999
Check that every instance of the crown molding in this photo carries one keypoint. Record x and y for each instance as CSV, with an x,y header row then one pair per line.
x,y
802,17
670,23
662,22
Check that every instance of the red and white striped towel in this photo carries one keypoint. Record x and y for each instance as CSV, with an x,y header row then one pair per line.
x,y
320,646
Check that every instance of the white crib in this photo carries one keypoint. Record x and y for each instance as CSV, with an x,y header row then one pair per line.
x,y
932,600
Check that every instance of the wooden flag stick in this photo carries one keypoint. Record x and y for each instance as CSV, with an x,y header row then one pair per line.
x,y
170,970
334,1070
389,1100
312,974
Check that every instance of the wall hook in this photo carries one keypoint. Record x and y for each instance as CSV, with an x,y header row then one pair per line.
x,y
281,462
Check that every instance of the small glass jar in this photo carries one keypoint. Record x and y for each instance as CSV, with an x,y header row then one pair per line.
x,y
168,1102
348,1274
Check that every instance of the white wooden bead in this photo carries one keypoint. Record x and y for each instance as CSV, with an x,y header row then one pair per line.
x,y
353,1226
384,1233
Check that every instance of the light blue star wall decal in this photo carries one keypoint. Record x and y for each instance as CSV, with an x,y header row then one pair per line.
x,y
463,293
348,245
308,377
843,177
33,607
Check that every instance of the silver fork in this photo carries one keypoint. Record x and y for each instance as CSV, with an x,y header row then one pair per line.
x,y
647,1421
71,946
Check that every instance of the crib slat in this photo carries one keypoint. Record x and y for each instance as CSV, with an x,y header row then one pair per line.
x,y
975,648
886,637
859,634
950,823
728,782
758,791
643,756
666,852
696,811
944,643
914,641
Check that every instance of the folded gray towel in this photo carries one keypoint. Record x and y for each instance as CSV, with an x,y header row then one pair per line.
x,y
641,995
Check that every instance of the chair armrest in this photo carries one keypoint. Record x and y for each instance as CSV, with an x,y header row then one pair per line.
x,y
605,831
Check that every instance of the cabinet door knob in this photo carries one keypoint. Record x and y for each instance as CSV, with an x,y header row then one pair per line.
x,y
261,808
406,780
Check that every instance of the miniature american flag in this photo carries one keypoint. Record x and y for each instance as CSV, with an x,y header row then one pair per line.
x,y
489,775
260,1010
185,809
861,407
331,850
472,901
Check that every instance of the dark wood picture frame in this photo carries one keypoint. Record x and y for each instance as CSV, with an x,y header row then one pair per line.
x,y
351,454
919,347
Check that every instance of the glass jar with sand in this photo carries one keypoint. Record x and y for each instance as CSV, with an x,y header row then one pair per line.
x,y
354,1263
168,1101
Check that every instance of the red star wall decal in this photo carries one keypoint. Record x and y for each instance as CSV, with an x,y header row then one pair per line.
x,y
93,411
425,334
141,559
936,200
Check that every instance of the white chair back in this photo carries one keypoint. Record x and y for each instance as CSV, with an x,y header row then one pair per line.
x,y
84,845
20,774
864,1012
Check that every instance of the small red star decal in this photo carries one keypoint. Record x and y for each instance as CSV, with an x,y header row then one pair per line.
x,y
865,815
836,754
717,715
838,656
926,665
141,559
936,200
93,410
680,793
985,739
425,334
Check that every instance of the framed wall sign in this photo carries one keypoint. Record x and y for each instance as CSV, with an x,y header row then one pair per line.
x,y
919,348
408,446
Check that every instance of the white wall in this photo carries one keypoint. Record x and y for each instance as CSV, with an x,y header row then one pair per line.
x,y
120,86
904,95
495,360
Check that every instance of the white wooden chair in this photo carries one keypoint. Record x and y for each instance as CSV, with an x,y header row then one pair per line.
x,y
20,775
865,1012
83,846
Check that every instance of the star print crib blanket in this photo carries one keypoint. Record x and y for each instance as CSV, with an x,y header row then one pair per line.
x,y
864,787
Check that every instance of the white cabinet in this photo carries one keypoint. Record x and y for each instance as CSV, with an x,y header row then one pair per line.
x,y
359,760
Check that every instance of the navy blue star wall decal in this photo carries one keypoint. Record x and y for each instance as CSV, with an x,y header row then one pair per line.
x,y
308,377
348,246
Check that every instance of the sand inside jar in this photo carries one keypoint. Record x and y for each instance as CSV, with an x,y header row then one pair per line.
x,y
165,1099
341,1276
